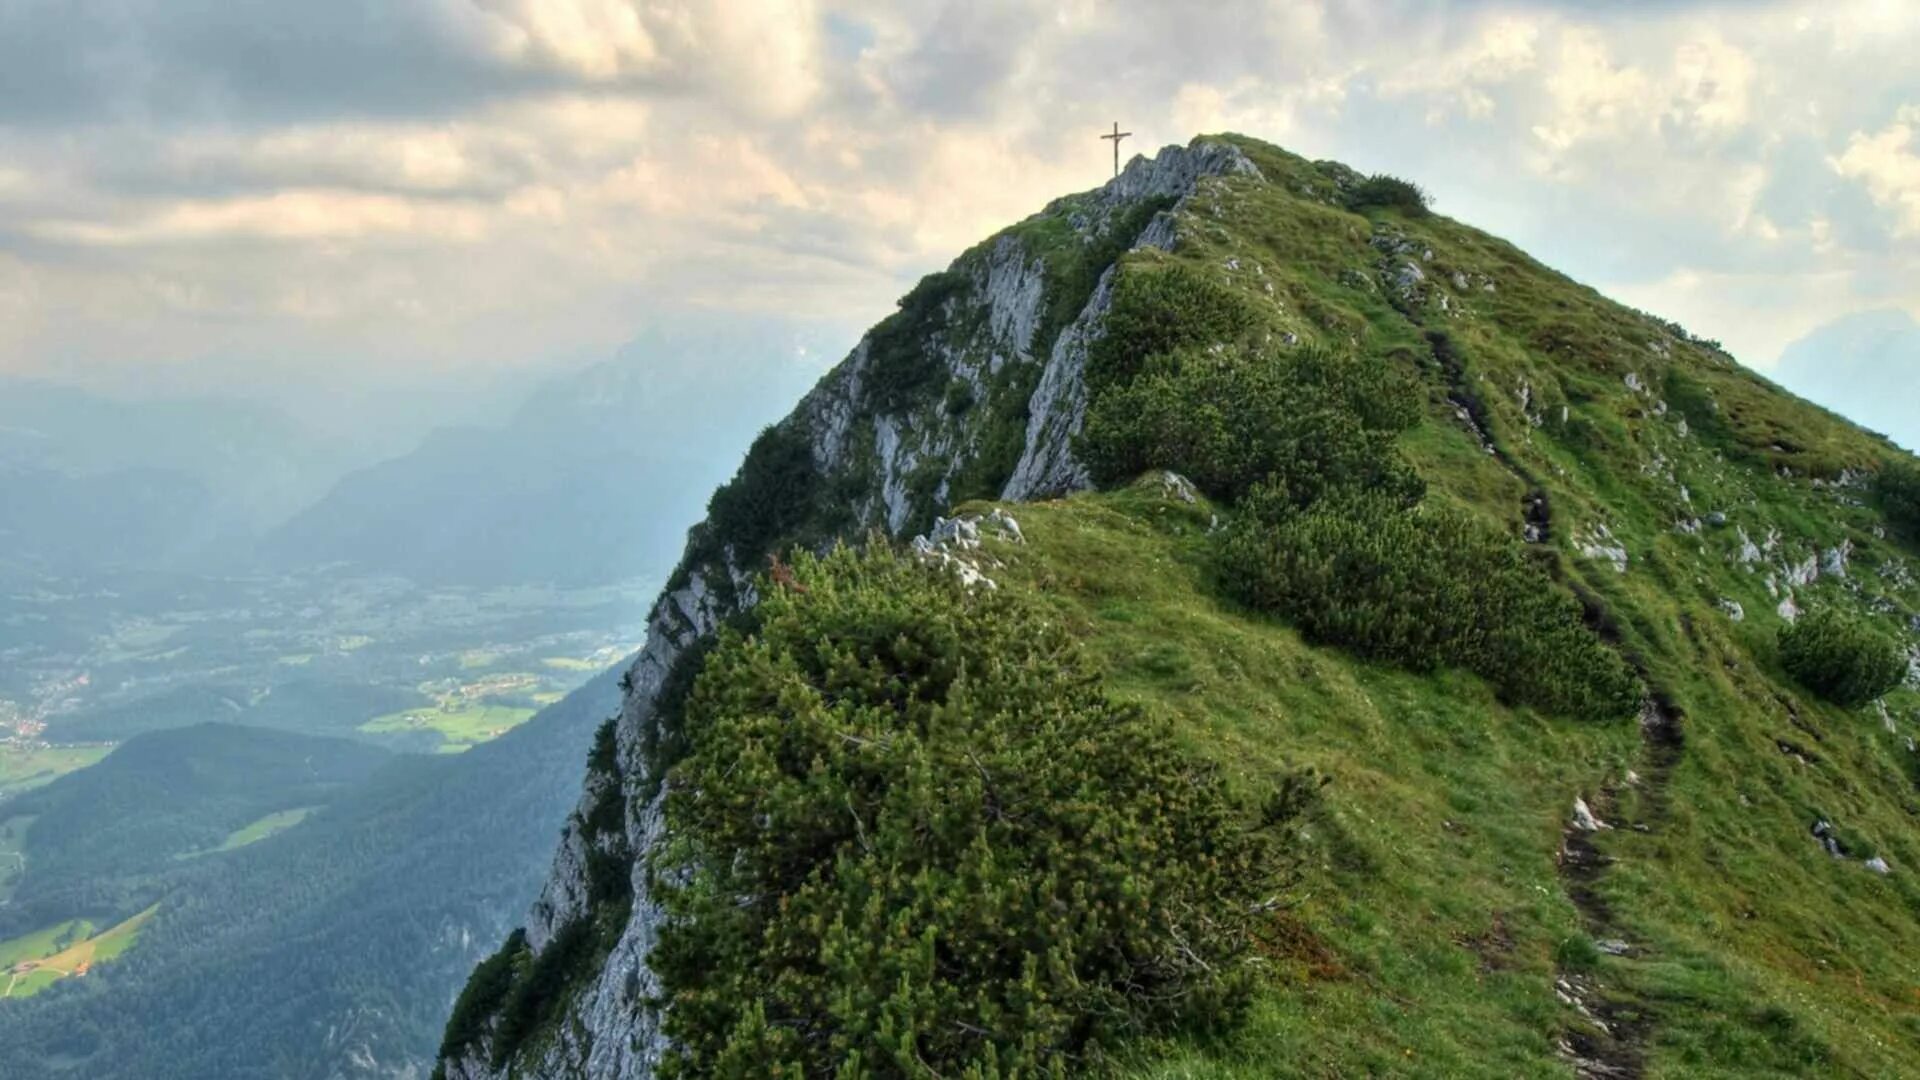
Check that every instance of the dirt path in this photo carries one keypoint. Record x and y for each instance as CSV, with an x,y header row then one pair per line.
x,y
1611,1037
1610,1032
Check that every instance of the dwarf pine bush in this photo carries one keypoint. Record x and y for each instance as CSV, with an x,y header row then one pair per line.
x,y
1897,488
911,835
1158,310
1424,587
1388,191
1840,657
1329,531
1231,417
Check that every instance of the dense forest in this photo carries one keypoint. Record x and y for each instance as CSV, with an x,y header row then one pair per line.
x,y
106,841
344,938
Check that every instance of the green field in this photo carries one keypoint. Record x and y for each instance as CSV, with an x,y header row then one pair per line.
x,y
43,943
459,727
38,960
278,821
24,768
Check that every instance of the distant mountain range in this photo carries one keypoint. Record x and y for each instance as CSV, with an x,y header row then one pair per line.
x,y
596,478
593,479
88,480
1866,367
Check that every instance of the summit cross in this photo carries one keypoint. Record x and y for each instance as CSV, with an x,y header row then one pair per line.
x,y
1116,137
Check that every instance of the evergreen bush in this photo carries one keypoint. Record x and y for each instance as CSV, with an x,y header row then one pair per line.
x,y
1840,657
1329,533
1423,588
1156,310
913,836
1381,190
1897,487
1230,417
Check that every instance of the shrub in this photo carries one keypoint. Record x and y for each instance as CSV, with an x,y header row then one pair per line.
x,y
486,989
899,364
913,836
1157,310
1329,533
539,987
767,500
1381,190
1229,418
1423,588
1897,488
1074,265
1840,657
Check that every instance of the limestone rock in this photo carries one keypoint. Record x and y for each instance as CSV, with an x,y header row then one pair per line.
x,y
1584,818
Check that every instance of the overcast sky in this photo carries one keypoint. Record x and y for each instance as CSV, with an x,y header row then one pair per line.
x,y
196,191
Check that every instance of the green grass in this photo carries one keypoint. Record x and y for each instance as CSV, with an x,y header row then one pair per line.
x,y
26,768
1426,938
1440,825
44,943
459,727
257,831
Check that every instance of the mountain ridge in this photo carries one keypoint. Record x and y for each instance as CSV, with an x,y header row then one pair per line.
x,y
1621,451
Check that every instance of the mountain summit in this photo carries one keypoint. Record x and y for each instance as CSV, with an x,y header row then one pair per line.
x,y
1573,661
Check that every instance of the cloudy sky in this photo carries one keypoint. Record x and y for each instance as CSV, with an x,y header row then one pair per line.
x,y
261,192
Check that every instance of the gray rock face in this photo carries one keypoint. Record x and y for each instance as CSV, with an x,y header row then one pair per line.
x,y
608,1031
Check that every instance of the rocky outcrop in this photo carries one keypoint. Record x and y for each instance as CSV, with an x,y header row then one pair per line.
x,y
890,466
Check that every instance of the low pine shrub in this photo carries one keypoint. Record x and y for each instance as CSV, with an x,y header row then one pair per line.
x,y
1897,488
1157,310
1330,532
1231,417
1381,190
1840,657
912,836
486,989
1423,588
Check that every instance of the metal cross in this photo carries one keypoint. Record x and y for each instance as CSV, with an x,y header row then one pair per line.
x,y
1116,137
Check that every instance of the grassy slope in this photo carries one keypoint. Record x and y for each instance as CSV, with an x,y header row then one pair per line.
x,y
459,728
1435,920
23,769
256,831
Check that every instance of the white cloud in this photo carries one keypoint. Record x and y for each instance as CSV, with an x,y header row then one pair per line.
x,y
762,55
482,180
1887,164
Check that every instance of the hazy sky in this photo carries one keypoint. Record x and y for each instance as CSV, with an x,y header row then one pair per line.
x,y
196,190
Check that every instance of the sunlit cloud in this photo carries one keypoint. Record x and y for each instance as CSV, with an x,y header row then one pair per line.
x,y
370,186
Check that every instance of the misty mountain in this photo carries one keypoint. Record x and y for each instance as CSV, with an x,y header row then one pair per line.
x,y
594,479
90,481
50,519
1865,366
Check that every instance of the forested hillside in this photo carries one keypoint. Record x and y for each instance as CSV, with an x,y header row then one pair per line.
x,y
101,843
1568,665
333,948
